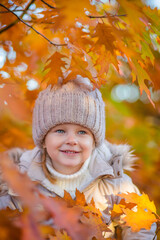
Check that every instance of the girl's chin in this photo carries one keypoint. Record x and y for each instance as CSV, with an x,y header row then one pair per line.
x,y
69,169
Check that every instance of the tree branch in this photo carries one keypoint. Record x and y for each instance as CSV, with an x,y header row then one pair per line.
x,y
47,4
17,20
18,10
43,22
105,16
33,28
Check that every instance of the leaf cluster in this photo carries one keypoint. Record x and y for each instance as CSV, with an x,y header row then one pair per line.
x,y
84,38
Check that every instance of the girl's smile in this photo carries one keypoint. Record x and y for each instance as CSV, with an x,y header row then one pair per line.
x,y
69,146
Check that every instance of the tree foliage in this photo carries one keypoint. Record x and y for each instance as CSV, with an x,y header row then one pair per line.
x,y
48,40
54,41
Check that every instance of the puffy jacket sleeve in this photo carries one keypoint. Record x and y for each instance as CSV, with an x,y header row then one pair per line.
x,y
143,234
126,185
6,200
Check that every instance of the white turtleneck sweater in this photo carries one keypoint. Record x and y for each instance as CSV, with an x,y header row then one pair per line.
x,y
68,183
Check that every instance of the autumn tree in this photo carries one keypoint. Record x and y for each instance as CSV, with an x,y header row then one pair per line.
x,y
108,42
49,41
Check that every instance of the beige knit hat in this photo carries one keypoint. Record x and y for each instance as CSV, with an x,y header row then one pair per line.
x,y
73,102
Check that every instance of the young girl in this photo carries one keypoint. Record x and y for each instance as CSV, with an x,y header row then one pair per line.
x,y
71,151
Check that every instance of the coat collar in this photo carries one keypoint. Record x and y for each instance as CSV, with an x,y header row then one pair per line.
x,y
107,161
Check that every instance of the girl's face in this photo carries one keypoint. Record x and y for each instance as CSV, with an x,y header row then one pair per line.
x,y
69,146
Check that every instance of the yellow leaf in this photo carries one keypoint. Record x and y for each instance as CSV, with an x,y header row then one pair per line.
x,y
139,219
141,201
117,211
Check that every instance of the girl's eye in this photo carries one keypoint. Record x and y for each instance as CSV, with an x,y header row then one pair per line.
x,y
82,132
60,131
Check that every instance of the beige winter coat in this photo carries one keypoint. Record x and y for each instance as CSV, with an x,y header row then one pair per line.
x,y
106,179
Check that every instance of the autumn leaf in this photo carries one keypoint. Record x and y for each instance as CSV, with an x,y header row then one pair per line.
x,y
89,216
80,198
54,68
138,219
91,208
68,199
71,217
117,210
78,66
139,211
154,73
79,38
104,36
80,201
133,9
146,52
73,9
97,225
142,201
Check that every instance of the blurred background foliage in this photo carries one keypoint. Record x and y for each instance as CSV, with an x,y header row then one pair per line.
x,y
131,119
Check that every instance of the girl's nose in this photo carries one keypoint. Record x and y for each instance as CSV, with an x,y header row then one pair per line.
x,y
71,139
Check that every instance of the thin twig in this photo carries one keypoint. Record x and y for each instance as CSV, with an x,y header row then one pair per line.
x,y
156,234
43,22
48,4
18,10
33,28
105,16
9,26
17,20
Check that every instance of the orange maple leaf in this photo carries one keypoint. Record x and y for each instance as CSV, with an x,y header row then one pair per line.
x,y
68,199
118,208
138,219
80,198
104,36
78,66
141,201
72,9
97,225
54,68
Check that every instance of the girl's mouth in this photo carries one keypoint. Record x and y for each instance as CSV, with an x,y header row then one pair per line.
x,y
69,151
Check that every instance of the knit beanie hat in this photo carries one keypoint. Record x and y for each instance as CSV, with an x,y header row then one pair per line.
x,y
72,102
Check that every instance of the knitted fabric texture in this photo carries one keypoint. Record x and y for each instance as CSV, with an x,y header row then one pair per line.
x,y
70,103
68,183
